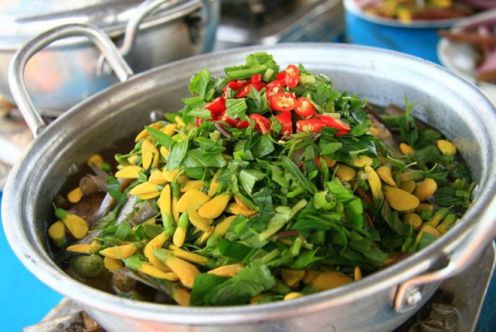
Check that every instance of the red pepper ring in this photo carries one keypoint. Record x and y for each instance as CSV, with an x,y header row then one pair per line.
x,y
292,77
281,78
282,101
304,107
273,88
236,123
236,84
310,125
262,124
217,106
257,78
286,122
342,127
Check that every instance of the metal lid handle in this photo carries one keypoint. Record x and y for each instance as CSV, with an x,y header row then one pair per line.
x,y
21,58
141,12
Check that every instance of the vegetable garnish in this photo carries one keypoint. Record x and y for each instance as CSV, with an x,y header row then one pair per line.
x,y
268,185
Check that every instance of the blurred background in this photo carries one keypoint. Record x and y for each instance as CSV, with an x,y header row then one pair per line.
x,y
457,34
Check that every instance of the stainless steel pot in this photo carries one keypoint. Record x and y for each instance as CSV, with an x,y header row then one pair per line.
x,y
379,302
151,33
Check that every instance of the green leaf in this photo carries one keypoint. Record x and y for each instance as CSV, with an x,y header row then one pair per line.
x,y
393,220
236,108
200,158
263,147
113,188
305,259
234,250
200,113
161,138
425,240
290,166
203,285
341,193
123,231
249,282
330,148
177,154
248,178
199,84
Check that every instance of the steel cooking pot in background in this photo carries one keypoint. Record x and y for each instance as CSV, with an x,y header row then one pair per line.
x,y
151,33
379,302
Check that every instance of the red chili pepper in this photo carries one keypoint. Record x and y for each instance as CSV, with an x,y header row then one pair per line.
x,y
282,101
236,123
310,125
262,124
257,78
236,84
273,88
198,122
286,122
292,77
243,92
281,77
258,86
217,106
304,107
342,127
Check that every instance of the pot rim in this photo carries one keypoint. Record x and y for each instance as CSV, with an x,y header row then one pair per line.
x,y
388,278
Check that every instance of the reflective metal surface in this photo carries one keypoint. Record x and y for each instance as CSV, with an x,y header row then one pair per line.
x,y
288,21
66,73
441,99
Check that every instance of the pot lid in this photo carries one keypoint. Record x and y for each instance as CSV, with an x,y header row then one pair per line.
x,y
23,19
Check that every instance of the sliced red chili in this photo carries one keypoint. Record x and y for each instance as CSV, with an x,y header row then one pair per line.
x,y
342,127
217,106
281,77
242,124
236,123
262,124
257,78
273,88
258,86
292,77
198,122
236,84
304,107
282,101
310,125
286,122
244,91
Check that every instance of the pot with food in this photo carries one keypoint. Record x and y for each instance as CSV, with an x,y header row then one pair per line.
x,y
273,195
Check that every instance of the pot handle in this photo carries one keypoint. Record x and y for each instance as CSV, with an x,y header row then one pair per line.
x,y
409,295
132,27
22,56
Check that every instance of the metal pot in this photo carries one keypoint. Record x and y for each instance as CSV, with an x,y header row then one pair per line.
x,y
151,33
379,302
